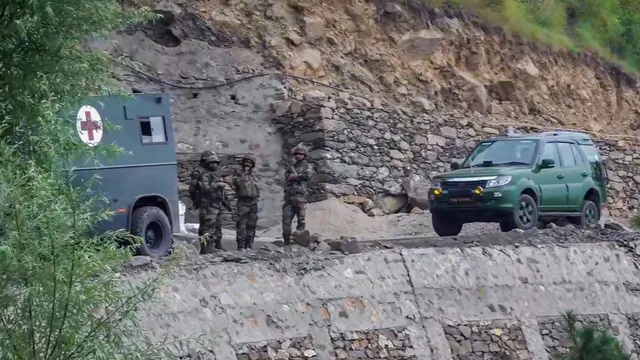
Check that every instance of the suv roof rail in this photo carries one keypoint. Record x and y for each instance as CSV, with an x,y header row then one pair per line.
x,y
563,132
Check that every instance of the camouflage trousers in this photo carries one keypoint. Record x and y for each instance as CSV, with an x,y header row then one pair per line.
x,y
210,230
247,213
293,207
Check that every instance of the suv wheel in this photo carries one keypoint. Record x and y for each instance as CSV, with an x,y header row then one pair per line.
x,y
445,226
506,225
590,215
524,216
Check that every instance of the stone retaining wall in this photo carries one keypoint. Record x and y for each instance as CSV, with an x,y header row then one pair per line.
x,y
431,303
361,152
294,349
554,334
634,331
499,340
366,151
374,344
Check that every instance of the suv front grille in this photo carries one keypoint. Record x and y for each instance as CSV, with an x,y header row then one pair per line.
x,y
463,185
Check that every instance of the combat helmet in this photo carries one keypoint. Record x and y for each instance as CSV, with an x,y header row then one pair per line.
x,y
300,149
209,156
249,157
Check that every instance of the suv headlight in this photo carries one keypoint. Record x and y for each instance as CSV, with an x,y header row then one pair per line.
x,y
499,181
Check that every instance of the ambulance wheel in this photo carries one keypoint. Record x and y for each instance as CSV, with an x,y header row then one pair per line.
x,y
152,225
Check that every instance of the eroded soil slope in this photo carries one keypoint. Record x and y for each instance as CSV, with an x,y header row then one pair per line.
x,y
410,54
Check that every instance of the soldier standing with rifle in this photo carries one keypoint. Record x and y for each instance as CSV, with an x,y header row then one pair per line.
x,y
207,193
248,196
295,193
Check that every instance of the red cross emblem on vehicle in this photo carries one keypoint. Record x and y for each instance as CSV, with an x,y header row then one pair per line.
x,y
89,125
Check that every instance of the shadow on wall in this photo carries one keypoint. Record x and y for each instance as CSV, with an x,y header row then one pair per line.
x,y
271,181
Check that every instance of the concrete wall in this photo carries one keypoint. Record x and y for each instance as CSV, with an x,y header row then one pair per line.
x,y
439,302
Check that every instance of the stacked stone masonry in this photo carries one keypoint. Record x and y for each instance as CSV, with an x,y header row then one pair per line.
x,y
555,337
392,343
294,349
633,322
262,298
359,149
199,355
498,340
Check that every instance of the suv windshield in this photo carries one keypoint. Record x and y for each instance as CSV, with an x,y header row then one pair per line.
x,y
502,153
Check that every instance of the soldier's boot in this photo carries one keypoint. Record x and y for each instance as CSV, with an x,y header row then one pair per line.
x,y
219,244
205,245
240,244
248,243
287,240
201,240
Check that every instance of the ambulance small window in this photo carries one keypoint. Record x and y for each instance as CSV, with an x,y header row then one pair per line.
x,y
152,130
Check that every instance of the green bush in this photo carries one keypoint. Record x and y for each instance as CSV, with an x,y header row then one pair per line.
x,y
590,343
60,293
635,221
609,27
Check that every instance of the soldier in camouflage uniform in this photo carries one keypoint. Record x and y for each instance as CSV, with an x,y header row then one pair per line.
x,y
207,193
248,195
295,193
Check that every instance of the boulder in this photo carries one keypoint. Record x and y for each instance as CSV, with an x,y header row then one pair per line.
x,y
391,204
311,57
337,189
393,188
302,238
424,104
168,7
420,44
375,212
479,99
313,27
417,190
322,247
346,245
505,90
314,96
528,67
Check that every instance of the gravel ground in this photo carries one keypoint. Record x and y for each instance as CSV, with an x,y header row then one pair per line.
x,y
307,259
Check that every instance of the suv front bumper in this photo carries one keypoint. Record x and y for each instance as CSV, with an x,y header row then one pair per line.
x,y
490,205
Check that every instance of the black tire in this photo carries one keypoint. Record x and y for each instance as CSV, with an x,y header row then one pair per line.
x,y
590,214
506,225
524,216
445,226
153,227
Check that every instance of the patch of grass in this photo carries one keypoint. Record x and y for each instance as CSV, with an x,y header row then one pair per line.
x,y
610,28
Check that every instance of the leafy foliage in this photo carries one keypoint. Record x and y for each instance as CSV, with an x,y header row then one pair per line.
x,y
610,27
635,221
61,296
591,343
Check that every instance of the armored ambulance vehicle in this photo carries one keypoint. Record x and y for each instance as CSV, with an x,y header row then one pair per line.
x,y
141,185
521,180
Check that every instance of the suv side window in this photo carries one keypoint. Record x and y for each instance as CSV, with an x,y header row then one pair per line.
x,y
566,154
577,154
550,151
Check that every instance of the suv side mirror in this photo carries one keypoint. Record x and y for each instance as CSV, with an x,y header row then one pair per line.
x,y
455,165
547,164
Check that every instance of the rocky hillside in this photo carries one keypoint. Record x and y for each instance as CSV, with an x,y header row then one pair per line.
x,y
423,62
400,53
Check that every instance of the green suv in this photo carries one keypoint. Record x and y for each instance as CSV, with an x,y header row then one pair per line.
x,y
519,181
